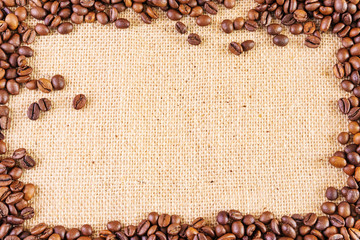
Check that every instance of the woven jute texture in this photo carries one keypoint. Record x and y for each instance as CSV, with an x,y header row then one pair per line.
x,y
182,129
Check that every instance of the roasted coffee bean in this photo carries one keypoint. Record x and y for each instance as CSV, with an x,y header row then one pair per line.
x,y
143,227
251,25
19,153
248,45
122,23
65,28
193,39
44,104
86,230
274,29
27,162
309,28
311,218
227,26
281,40
44,85
211,7
33,111
288,20
312,41
343,138
235,48
79,101
180,27
239,23
203,20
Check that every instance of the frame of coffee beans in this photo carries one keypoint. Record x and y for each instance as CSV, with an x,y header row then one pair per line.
x,y
341,212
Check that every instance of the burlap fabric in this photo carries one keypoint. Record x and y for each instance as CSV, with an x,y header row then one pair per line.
x,y
181,129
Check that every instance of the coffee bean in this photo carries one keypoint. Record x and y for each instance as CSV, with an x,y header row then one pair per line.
x,y
248,45
180,27
27,162
42,29
281,40
211,7
288,20
311,218
238,23
235,48
86,230
203,20
251,25
343,138
227,26
274,29
143,227
122,23
193,39
312,41
344,105
65,28
33,111
44,104
44,85
174,15
79,101
19,153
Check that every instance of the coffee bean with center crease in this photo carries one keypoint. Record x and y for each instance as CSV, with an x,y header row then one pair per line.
x,y
310,219
27,162
211,7
44,104
288,20
33,111
180,27
194,39
143,227
339,70
235,48
79,101
19,153
344,105
312,41
44,85
251,25
354,114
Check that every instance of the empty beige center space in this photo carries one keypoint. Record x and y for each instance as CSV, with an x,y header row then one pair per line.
x,y
182,129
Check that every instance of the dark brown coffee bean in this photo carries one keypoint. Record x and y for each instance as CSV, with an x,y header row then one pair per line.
x,y
288,231
153,217
235,48
180,27
44,104
145,18
309,28
38,13
274,29
354,113
203,20
79,101
19,153
164,220
238,229
235,215
281,40
311,218
343,138
58,82
5,122
288,20
33,111
312,41
27,162
251,25
227,26
211,7
86,230
65,28
42,29
248,45
73,234
352,195
193,39
122,23
328,208
174,15
239,23
143,227
26,51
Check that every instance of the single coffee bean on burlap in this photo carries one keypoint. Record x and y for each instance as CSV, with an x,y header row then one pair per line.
x,y
194,39
274,29
235,48
33,111
122,23
248,45
44,85
79,101
281,40
44,104
239,23
180,27
227,26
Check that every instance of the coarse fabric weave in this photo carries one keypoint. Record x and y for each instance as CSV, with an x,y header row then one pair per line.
x,y
181,129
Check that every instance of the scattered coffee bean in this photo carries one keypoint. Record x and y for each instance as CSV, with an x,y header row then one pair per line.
x,y
44,104
33,111
193,39
235,48
281,40
180,27
79,101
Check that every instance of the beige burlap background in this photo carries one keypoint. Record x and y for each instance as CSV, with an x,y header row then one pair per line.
x,y
181,129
